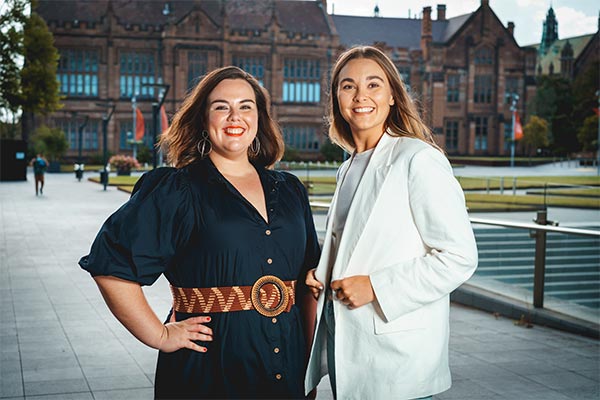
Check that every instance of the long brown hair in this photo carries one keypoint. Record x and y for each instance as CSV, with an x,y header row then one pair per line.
x,y
403,119
180,141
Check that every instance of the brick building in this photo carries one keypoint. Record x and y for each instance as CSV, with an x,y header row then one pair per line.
x,y
461,68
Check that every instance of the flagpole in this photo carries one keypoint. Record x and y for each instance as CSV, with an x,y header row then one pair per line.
x,y
134,127
513,109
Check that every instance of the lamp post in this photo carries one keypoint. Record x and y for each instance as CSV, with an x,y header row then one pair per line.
x,y
598,144
513,108
155,110
80,132
105,120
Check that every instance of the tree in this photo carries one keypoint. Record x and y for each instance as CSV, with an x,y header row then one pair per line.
x,y
39,86
584,94
12,21
588,133
553,102
28,83
535,134
332,152
50,141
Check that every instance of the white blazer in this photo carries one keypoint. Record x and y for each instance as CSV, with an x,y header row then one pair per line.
x,y
408,229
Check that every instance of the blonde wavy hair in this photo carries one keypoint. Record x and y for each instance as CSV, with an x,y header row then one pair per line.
x,y
403,119
179,142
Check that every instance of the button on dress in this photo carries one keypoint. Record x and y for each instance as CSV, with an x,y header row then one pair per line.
x,y
193,226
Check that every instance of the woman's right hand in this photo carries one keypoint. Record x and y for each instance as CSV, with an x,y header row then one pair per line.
x,y
313,284
182,334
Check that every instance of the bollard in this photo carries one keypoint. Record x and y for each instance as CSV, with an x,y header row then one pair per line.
x,y
502,185
514,186
487,186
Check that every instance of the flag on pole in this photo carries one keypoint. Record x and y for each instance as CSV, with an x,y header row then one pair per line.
x,y
518,127
139,125
164,121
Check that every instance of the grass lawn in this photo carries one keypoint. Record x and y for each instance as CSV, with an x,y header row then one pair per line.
x,y
524,200
475,201
592,192
526,182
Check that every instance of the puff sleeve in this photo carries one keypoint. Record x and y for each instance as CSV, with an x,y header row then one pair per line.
x,y
139,240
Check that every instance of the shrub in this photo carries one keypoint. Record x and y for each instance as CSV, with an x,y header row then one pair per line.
x,y
123,162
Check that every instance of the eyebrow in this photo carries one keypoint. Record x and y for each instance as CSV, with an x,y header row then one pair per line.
x,y
227,102
369,78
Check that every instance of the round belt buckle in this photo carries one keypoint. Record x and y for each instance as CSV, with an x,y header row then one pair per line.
x,y
269,310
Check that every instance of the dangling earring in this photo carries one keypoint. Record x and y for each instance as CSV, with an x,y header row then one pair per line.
x,y
203,144
255,147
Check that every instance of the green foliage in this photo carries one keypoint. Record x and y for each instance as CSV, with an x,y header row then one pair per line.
x,y
50,141
39,86
535,134
9,130
584,94
588,133
11,51
553,102
144,155
291,154
331,152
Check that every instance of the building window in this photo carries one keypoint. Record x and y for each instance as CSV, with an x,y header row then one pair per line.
x,y
511,86
484,55
507,135
77,72
451,131
197,67
482,92
453,88
126,134
252,65
137,71
89,136
301,81
404,72
481,133
301,137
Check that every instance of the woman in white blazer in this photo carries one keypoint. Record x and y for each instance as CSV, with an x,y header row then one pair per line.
x,y
398,241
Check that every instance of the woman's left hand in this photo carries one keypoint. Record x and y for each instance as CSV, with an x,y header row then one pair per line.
x,y
354,291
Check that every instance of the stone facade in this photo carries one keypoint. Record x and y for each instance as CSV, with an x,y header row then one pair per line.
x,y
459,69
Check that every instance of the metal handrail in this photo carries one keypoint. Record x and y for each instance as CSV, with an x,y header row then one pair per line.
x,y
534,226
539,229
508,224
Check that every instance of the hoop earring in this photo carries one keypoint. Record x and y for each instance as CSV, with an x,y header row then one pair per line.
x,y
254,148
203,143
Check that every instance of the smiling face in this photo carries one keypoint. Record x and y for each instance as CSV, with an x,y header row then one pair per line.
x,y
364,96
232,119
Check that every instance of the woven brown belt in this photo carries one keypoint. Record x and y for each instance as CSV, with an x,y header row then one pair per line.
x,y
269,295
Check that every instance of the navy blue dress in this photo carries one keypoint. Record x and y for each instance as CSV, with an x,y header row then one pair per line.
x,y
193,226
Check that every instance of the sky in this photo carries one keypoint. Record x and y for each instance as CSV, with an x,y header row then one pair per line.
x,y
575,17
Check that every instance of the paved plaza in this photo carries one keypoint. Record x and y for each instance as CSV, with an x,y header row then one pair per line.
x,y
59,341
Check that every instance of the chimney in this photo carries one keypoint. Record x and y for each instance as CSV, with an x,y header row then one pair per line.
x,y
485,3
426,23
426,32
441,12
511,28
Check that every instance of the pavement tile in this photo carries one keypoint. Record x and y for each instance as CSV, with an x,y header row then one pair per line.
x,y
49,374
11,384
134,381
563,380
128,394
55,312
57,386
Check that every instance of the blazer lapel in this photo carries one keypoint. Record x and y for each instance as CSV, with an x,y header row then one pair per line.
x,y
365,197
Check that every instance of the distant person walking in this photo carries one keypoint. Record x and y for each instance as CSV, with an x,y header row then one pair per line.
x,y
39,164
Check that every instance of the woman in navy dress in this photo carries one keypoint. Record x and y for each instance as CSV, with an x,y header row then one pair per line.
x,y
231,236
